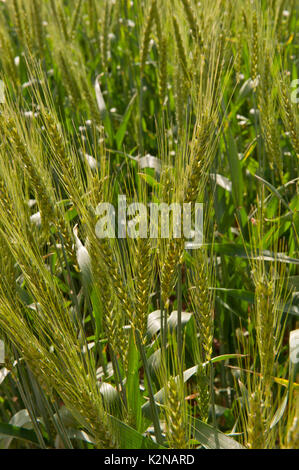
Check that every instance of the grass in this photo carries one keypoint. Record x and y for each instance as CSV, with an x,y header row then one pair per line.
x,y
139,342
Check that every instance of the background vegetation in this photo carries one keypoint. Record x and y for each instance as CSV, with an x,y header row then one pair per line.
x,y
139,343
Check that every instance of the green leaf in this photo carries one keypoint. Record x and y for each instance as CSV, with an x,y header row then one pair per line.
x,y
154,363
79,435
294,282
129,438
119,137
152,182
211,438
9,430
240,293
274,191
250,297
110,395
279,413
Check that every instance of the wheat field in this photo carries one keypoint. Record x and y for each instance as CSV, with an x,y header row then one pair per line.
x,y
145,342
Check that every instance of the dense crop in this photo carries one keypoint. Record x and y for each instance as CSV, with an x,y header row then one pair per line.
x,y
143,342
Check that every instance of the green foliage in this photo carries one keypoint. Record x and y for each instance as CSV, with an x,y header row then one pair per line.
x,y
141,343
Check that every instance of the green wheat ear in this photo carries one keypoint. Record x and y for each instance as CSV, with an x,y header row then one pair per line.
x,y
176,427
254,48
146,35
143,284
180,48
256,425
75,17
290,116
118,343
192,20
200,281
17,17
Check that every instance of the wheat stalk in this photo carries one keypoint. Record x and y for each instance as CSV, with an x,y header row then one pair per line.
x,y
176,431
146,36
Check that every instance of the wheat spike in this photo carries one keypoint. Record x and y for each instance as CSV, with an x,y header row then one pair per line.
x,y
176,433
256,429
146,36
